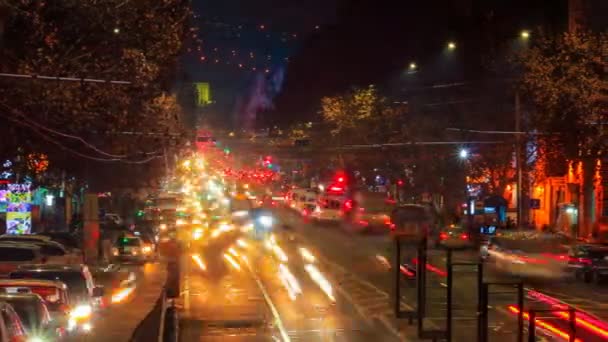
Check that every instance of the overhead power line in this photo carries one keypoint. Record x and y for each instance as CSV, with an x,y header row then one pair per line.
x,y
494,132
24,118
60,78
77,153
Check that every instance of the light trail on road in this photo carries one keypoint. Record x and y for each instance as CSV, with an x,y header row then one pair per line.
x,y
323,283
232,262
199,261
290,282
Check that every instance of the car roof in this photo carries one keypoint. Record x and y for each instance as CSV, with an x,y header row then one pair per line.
x,y
25,237
51,267
27,296
32,282
18,244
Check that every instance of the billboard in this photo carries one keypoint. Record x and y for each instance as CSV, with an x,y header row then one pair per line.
x,y
203,91
18,198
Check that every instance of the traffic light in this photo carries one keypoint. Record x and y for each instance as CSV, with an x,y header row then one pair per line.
x,y
400,182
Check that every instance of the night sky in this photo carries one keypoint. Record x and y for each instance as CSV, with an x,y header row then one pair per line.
x,y
308,49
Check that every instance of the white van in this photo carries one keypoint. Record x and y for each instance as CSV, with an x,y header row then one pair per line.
x,y
303,201
329,208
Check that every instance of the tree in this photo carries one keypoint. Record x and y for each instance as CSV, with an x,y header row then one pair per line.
x,y
493,167
566,80
131,41
362,116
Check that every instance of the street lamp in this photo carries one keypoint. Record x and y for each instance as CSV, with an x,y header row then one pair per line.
x,y
413,66
464,153
524,34
451,45
116,30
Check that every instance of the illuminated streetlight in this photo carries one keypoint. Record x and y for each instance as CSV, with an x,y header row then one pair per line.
x,y
464,153
525,34
117,30
413,66
451,45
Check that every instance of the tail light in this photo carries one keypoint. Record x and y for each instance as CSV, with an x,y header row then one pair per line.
x,y
443,236
584,261
348,205
464,236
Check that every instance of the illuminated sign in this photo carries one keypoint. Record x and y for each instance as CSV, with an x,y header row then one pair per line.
x,y
203,91
18,198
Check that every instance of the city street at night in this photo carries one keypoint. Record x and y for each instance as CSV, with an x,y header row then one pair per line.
x,y
306,171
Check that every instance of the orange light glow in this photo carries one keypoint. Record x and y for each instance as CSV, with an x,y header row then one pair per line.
x,y
585,324
122,294
553,329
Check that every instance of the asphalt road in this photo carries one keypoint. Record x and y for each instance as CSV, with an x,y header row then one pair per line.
x,y
359,262
119,319
261,292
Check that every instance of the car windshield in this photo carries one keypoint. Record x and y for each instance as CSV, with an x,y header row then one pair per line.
x,y
128,242
28,310
76,282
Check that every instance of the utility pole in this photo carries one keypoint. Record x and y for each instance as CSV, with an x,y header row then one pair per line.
x,y
518,161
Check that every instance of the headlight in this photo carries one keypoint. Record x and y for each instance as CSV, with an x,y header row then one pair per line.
x,y
265,221
163,226
197,234
81,311
146,249
35,339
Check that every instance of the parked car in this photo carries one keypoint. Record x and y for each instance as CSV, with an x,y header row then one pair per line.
x,y
53,252
11,327
68,240
85,297
34,315
589,262
24,238
13,255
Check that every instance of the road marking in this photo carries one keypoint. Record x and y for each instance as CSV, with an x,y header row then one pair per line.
x,y
273,309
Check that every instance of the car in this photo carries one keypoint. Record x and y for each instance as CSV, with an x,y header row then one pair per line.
x,y
68,240
588,262
149,244
53,292
454,236
11,327
529,255
85,297
12,255
24,238
131,248
53,252
34,315
115,218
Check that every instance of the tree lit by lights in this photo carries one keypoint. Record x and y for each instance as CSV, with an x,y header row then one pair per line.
x,y
37,162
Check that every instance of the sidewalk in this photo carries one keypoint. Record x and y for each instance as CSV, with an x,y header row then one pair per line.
x,y
119,322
